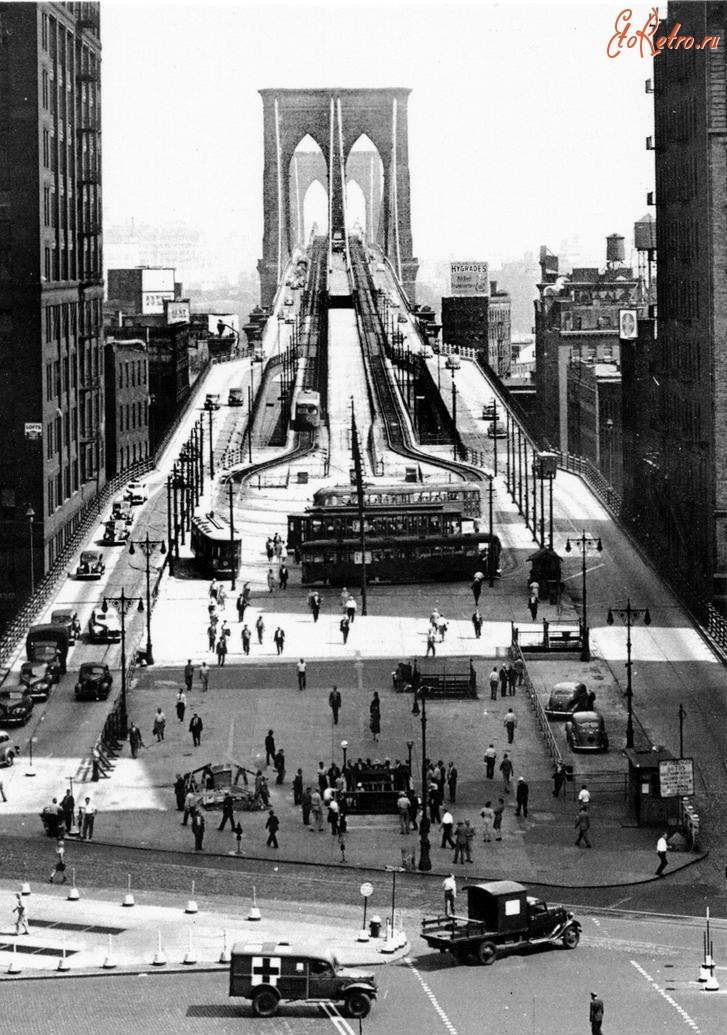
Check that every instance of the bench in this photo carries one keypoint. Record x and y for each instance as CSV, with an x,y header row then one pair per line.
x,y
439,681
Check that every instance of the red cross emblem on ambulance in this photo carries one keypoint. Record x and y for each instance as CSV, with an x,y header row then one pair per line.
x,y
265,970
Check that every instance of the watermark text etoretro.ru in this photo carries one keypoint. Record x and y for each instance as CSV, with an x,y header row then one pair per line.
x,y
646,40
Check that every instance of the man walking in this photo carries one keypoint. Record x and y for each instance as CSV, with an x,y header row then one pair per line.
x,y
477,623
662,846
228,812
334,700
375,713
315,605
506,768
221,650
272,825
279,639
301,667
490,759
246,637
260,628
345,626
135,741
583,825
488,818
476,589
502,675
521,797
510,724
211,636
460,842
269,747
494,683
596,1014
431,644
584,797
22,915
188,675
189,801
447,828
351,608
181,704
402,805
198,826
449,885
283,575
498,810
204,677
452,777
195,728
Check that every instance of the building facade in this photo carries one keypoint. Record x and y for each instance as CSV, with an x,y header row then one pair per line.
x,y
595,417
127,404
481,322
51,284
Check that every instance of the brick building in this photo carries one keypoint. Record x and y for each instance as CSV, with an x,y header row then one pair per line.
x,y
594,415
480,322
127,403
51,284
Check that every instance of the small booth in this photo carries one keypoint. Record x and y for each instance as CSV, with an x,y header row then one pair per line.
x,y
545,570
652,801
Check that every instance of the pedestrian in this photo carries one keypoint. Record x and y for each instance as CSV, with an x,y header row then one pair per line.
x,y
278,545
442,626
452,777
22,915
204,677
272,825
221,597
431,644
221,651
533,606
237,833
344,598
583,825
260,628
488,818
316,806
315,605
494,683
306,804
559,778
521,797
68,807
519,667
195,728
477,623
88,814
241,605
447,828
402,807
498,811
60,864
510,724
188,675
502,675
449,885
198,826
301,668
271,580
345,626
333,816
334,701
2,791
211,636
189,803
160,722
434,618
375,713
351,608
342,830
135,741
179,791
584,797
298,787
460,842
511,679
469,838
181,704
245,636
269,747
226,633
279,639
269,548
476,588
414,804
214,589
228,812
283,576
490,759
662,846
595,1014
279,765
506,768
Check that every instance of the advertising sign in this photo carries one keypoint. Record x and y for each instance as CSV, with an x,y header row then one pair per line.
x,y
33,431
628,329
676,777
153,302
177,312
470,279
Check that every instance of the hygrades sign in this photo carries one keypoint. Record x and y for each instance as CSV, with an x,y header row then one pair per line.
x,y
470,278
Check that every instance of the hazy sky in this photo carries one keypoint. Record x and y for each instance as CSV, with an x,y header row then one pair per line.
x,y
521,130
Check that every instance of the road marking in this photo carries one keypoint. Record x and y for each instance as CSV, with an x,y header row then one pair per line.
x,y
665,995
339,1023
451,1030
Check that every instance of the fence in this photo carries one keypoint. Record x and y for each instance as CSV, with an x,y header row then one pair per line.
x,y
540,716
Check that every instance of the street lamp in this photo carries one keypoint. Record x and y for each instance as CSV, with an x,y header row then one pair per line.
x,y
609,436
629,614
122,604
146,545
344,748
420,696
233,559
585,542
30,514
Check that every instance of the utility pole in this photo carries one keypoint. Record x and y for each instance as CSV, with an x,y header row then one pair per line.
x,y
358,474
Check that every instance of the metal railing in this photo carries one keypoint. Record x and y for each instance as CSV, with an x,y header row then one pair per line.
x,y
540,716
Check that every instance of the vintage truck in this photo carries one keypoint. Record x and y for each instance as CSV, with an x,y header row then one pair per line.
x,y
501,917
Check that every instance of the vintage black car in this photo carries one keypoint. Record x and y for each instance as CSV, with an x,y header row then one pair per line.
x,y
68,617
37,678
586,731
116,533
48,644
501,917
90,565
16,706
567,698
94,681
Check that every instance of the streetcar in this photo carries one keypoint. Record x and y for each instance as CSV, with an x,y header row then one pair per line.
x,y
306,409
400,559
216,550
466,494
420,519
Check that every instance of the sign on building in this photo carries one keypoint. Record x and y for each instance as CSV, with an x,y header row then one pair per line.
x,y
628,329
157,287
33,431
470,279
177,312
676,777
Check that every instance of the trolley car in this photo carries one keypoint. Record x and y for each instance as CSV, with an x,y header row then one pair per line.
x,y
399,559
404,494
420,519
216,549
306,409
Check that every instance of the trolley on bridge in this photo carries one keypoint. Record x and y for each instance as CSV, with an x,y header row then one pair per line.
x,y
216,548
306,409
465,494
421,519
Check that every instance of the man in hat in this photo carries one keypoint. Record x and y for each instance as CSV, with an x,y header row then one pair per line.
x,y
521,797
596,1014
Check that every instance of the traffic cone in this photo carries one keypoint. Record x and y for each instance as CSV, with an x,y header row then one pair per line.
x,y
191,906
711,985
225,954
14,967
254,913
73,893
109,962
160,959
25,887
190,957
64,963
128,897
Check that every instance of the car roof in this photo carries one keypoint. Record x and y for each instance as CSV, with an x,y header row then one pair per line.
x,y
297,948
569,685
87,666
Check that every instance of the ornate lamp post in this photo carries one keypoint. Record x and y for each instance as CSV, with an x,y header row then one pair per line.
x,y
629,615
420,697
122,604
584,542
146,545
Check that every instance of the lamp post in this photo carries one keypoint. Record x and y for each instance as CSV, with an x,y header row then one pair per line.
x,y
494,436
344,748
454,417
609,437
629,614
584,542
30,514
409,746
122,604
233,559
490,559
420,696
146,545
212,454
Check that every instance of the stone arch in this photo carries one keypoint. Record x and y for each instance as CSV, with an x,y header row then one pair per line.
x,y
307,166
364,167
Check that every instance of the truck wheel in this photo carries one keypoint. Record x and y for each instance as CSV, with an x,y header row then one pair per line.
x,y
358,1004
486,953
571,937
265,1003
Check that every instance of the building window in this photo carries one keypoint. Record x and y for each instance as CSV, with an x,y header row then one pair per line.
x,y
48,374
49,440
46,263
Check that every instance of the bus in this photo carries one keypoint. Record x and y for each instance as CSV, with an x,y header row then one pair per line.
x,y
217,552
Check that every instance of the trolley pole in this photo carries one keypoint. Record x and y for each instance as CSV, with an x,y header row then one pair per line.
x,y
490,565
358,473
233,563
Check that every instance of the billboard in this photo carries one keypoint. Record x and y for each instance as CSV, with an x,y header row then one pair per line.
x,y
628,329
157,287
177,312
469,279
676,777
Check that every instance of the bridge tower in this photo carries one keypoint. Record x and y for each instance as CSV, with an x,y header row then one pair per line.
x,y
335,120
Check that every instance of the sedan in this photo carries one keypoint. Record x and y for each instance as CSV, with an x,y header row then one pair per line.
x,y
16,707
104,627
496,430
567,698
37,679
401,318
489,411
452,362
94,682
116,533
136,492
90,565
586,731
68,617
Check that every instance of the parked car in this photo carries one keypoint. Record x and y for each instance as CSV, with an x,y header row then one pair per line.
x,y
288,300
48,643
496,430
212,401
37,678
8,750
16,706
401,318
136,492
489,411
452,362
90,565
567,698
425,352
94,681
121,511
104,627
235,397
268,973
68,617
586,731
116,533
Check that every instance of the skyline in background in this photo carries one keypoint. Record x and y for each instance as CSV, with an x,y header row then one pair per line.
x,y
522,131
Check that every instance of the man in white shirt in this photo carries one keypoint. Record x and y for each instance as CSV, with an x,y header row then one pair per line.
x,y
661,850
449,884
584,797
